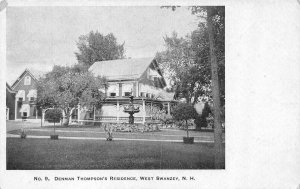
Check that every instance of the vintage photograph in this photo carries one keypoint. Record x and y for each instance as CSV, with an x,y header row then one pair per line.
x,y
115,87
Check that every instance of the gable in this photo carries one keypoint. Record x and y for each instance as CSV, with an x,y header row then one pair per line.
x,y
25,79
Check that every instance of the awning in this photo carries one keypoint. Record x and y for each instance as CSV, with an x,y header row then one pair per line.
x,y
32,93
25,108
21,94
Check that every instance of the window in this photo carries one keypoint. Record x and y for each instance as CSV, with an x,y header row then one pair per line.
x,y
27,80
112,94
31,98
127,93
24,114
142,94
20,99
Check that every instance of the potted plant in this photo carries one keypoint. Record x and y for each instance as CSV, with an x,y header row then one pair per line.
x,y
54,115
184,112
23,135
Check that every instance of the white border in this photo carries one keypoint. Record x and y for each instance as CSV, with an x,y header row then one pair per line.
x,y
262,102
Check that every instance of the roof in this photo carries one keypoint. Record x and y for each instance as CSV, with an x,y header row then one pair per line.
x,y
121,69
35,74
9,88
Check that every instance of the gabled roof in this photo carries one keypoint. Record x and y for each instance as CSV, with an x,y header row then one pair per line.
x,y
122,69
21,77
9,88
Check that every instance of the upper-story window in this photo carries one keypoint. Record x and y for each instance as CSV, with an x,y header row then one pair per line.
x,y
27,80
21,95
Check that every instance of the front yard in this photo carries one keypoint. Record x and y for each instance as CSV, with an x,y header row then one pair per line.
x,y
98,154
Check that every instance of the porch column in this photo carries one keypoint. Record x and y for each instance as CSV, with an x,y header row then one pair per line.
x,y
151,109
16,107
7,114
120,89
134,90
43,117
144,112
94,113
78,113
118,111
169,109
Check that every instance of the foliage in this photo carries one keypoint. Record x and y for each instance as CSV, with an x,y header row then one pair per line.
x,y
53,115
186,60
166,119
95,47
184,111
200,122
66,87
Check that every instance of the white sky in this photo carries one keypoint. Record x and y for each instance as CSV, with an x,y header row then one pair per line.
x,y
40,37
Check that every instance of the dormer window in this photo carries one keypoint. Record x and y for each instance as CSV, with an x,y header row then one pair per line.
x,y
27,80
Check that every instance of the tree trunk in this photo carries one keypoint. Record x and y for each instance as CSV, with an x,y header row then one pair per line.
x,y
187,128
66,120
215,92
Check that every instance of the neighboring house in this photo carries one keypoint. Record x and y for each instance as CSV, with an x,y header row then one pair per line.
x,y
26,94
141,78
10,103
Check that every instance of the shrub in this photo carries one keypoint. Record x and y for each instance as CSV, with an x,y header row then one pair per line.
x,y
53,115
184,112
201,121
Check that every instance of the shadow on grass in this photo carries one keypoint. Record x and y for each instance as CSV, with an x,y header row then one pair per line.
x,y
46,154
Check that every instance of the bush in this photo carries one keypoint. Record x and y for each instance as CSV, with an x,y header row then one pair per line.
x,y
184,112
201,121
53,115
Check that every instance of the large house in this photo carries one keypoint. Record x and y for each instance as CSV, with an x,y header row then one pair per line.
x,y
141,78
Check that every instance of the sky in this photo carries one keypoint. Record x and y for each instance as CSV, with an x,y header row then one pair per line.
x,y
40,37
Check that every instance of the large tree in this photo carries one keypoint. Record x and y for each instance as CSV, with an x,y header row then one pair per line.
x,y
67,87
210,55
215,20
188,76
98,47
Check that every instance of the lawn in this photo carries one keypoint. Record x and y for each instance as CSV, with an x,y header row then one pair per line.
x,y
37,154
99,133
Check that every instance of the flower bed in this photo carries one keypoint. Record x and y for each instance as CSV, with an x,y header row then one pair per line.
x,y
136,127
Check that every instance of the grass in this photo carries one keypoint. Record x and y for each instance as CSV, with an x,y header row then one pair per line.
x,y
100,133
46,154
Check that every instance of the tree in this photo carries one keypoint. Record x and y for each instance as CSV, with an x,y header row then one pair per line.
x,y
201,121
184,112
186,64
215,27
213,15
54,115
95,47
67,87
178,64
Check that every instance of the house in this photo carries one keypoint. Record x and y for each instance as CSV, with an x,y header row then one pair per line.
x,y
25,98
141,78
10,102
